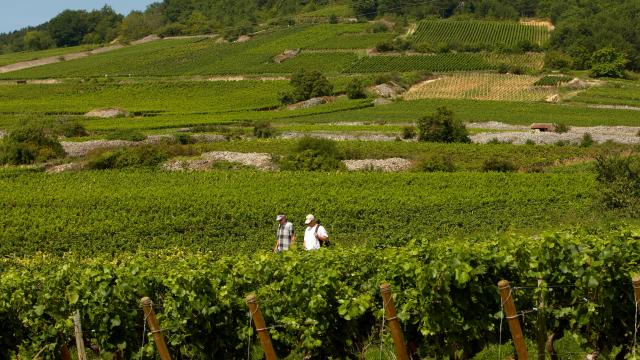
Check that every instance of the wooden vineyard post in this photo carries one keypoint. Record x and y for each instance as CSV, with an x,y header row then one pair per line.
x,y
513,320
77,325
541,322
261,327
636,288
158,338
392,317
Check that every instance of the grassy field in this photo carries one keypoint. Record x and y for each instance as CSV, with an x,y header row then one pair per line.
x,y
612,93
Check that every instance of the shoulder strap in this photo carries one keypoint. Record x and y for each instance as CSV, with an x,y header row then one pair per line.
x,y
317,227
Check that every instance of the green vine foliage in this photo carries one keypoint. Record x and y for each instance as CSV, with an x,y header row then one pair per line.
x,y
324,303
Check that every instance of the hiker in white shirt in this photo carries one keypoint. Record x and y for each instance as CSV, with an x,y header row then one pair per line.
x,y
315,234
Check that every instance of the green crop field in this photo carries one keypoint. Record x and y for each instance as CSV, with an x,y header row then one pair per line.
x,y
172,97
435,63
482,111
483,34
100,211
615,93
205,56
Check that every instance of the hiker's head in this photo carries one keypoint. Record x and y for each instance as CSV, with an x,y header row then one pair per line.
x,y
281,218
311,220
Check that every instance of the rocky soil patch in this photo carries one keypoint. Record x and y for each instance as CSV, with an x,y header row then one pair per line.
x,y
286,55
600,134
386,165
387,90
64,168
76,149
261,161
108,113
496,125
310,103
339,136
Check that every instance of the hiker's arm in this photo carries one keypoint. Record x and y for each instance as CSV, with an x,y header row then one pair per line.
x,y
322,234
293,239
275,248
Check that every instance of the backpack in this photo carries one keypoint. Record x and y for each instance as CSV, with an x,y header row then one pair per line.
x,y
325,243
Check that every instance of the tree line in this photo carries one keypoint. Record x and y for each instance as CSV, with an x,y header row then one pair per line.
x,y
582,26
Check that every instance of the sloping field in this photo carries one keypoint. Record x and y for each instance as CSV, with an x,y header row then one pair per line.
x,y
171,97
13,58
482,34
206,56
435,63
479,86
616,93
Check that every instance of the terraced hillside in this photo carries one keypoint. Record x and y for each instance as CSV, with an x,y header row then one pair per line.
x,y
473,34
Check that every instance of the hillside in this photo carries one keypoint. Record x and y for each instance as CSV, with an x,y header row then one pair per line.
x,y
441,154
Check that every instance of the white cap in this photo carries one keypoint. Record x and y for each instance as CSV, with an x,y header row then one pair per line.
x,y
310,218
279,217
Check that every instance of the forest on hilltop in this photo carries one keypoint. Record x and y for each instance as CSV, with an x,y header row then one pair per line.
x,y
582,27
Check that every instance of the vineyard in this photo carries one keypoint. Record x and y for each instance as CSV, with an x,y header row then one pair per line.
x,y
434,63
117,218
481,87
478,34
327,303
231,212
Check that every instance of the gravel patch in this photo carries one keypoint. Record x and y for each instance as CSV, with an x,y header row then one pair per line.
x,y
600,134
614,107
187,165
386,165
261,161
109,113
76,149
339,136
64,168
496,125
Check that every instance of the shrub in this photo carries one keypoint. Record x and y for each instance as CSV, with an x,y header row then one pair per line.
x,y
587,140
184,139
263,130
29,145
355,89
70,128
498,165
437,163
313,154
552,80
608,62
138,156
125,134
502,68
307,85
442,127
378,28
557,60
516,70
333,19
386,46
561,128
619,180
530,142
408,132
